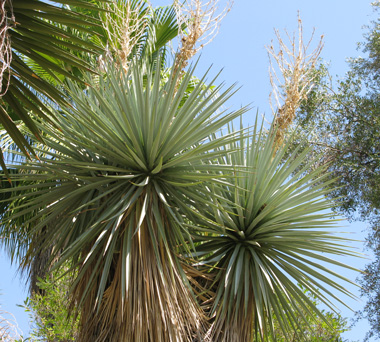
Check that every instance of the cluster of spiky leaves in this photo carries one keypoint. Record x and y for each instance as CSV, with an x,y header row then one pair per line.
x,y
136,185
109,190
264,236
51,42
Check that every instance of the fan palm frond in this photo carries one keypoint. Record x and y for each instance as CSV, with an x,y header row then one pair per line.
x,y
34,30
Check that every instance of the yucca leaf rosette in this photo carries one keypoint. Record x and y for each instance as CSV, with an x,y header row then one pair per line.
x,y
269,235
108,193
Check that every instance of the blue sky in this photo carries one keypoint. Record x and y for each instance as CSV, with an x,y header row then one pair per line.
x,y
239,50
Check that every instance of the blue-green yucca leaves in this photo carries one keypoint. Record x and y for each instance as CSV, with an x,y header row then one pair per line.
x,y
264,236
110,189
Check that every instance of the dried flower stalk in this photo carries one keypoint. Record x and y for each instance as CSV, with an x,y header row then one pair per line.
x,y
291,76
9,330
5,45
124,26
202,22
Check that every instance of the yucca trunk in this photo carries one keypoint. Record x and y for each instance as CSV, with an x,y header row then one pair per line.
x,y
235,326
157,305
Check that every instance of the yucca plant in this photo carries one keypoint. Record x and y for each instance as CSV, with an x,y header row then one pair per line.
x,y
269,231
113,23
179,231
108,193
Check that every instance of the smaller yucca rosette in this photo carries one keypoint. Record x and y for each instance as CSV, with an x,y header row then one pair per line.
x,y
268,236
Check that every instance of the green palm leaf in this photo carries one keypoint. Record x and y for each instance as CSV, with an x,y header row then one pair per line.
x,y
36,32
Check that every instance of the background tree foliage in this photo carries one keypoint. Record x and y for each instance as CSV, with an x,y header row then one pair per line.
x,y
49,312
342,121
325,328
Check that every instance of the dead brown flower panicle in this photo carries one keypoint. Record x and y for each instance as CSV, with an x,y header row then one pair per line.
x,y
124,26
201,21
291,76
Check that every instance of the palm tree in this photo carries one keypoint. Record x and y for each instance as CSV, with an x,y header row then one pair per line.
x,y
35,32
42,44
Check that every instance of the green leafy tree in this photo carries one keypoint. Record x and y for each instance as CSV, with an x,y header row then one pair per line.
x,y
50,316
342,122
325,328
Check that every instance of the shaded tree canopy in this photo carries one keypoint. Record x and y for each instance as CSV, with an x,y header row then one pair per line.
x,y
342,121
